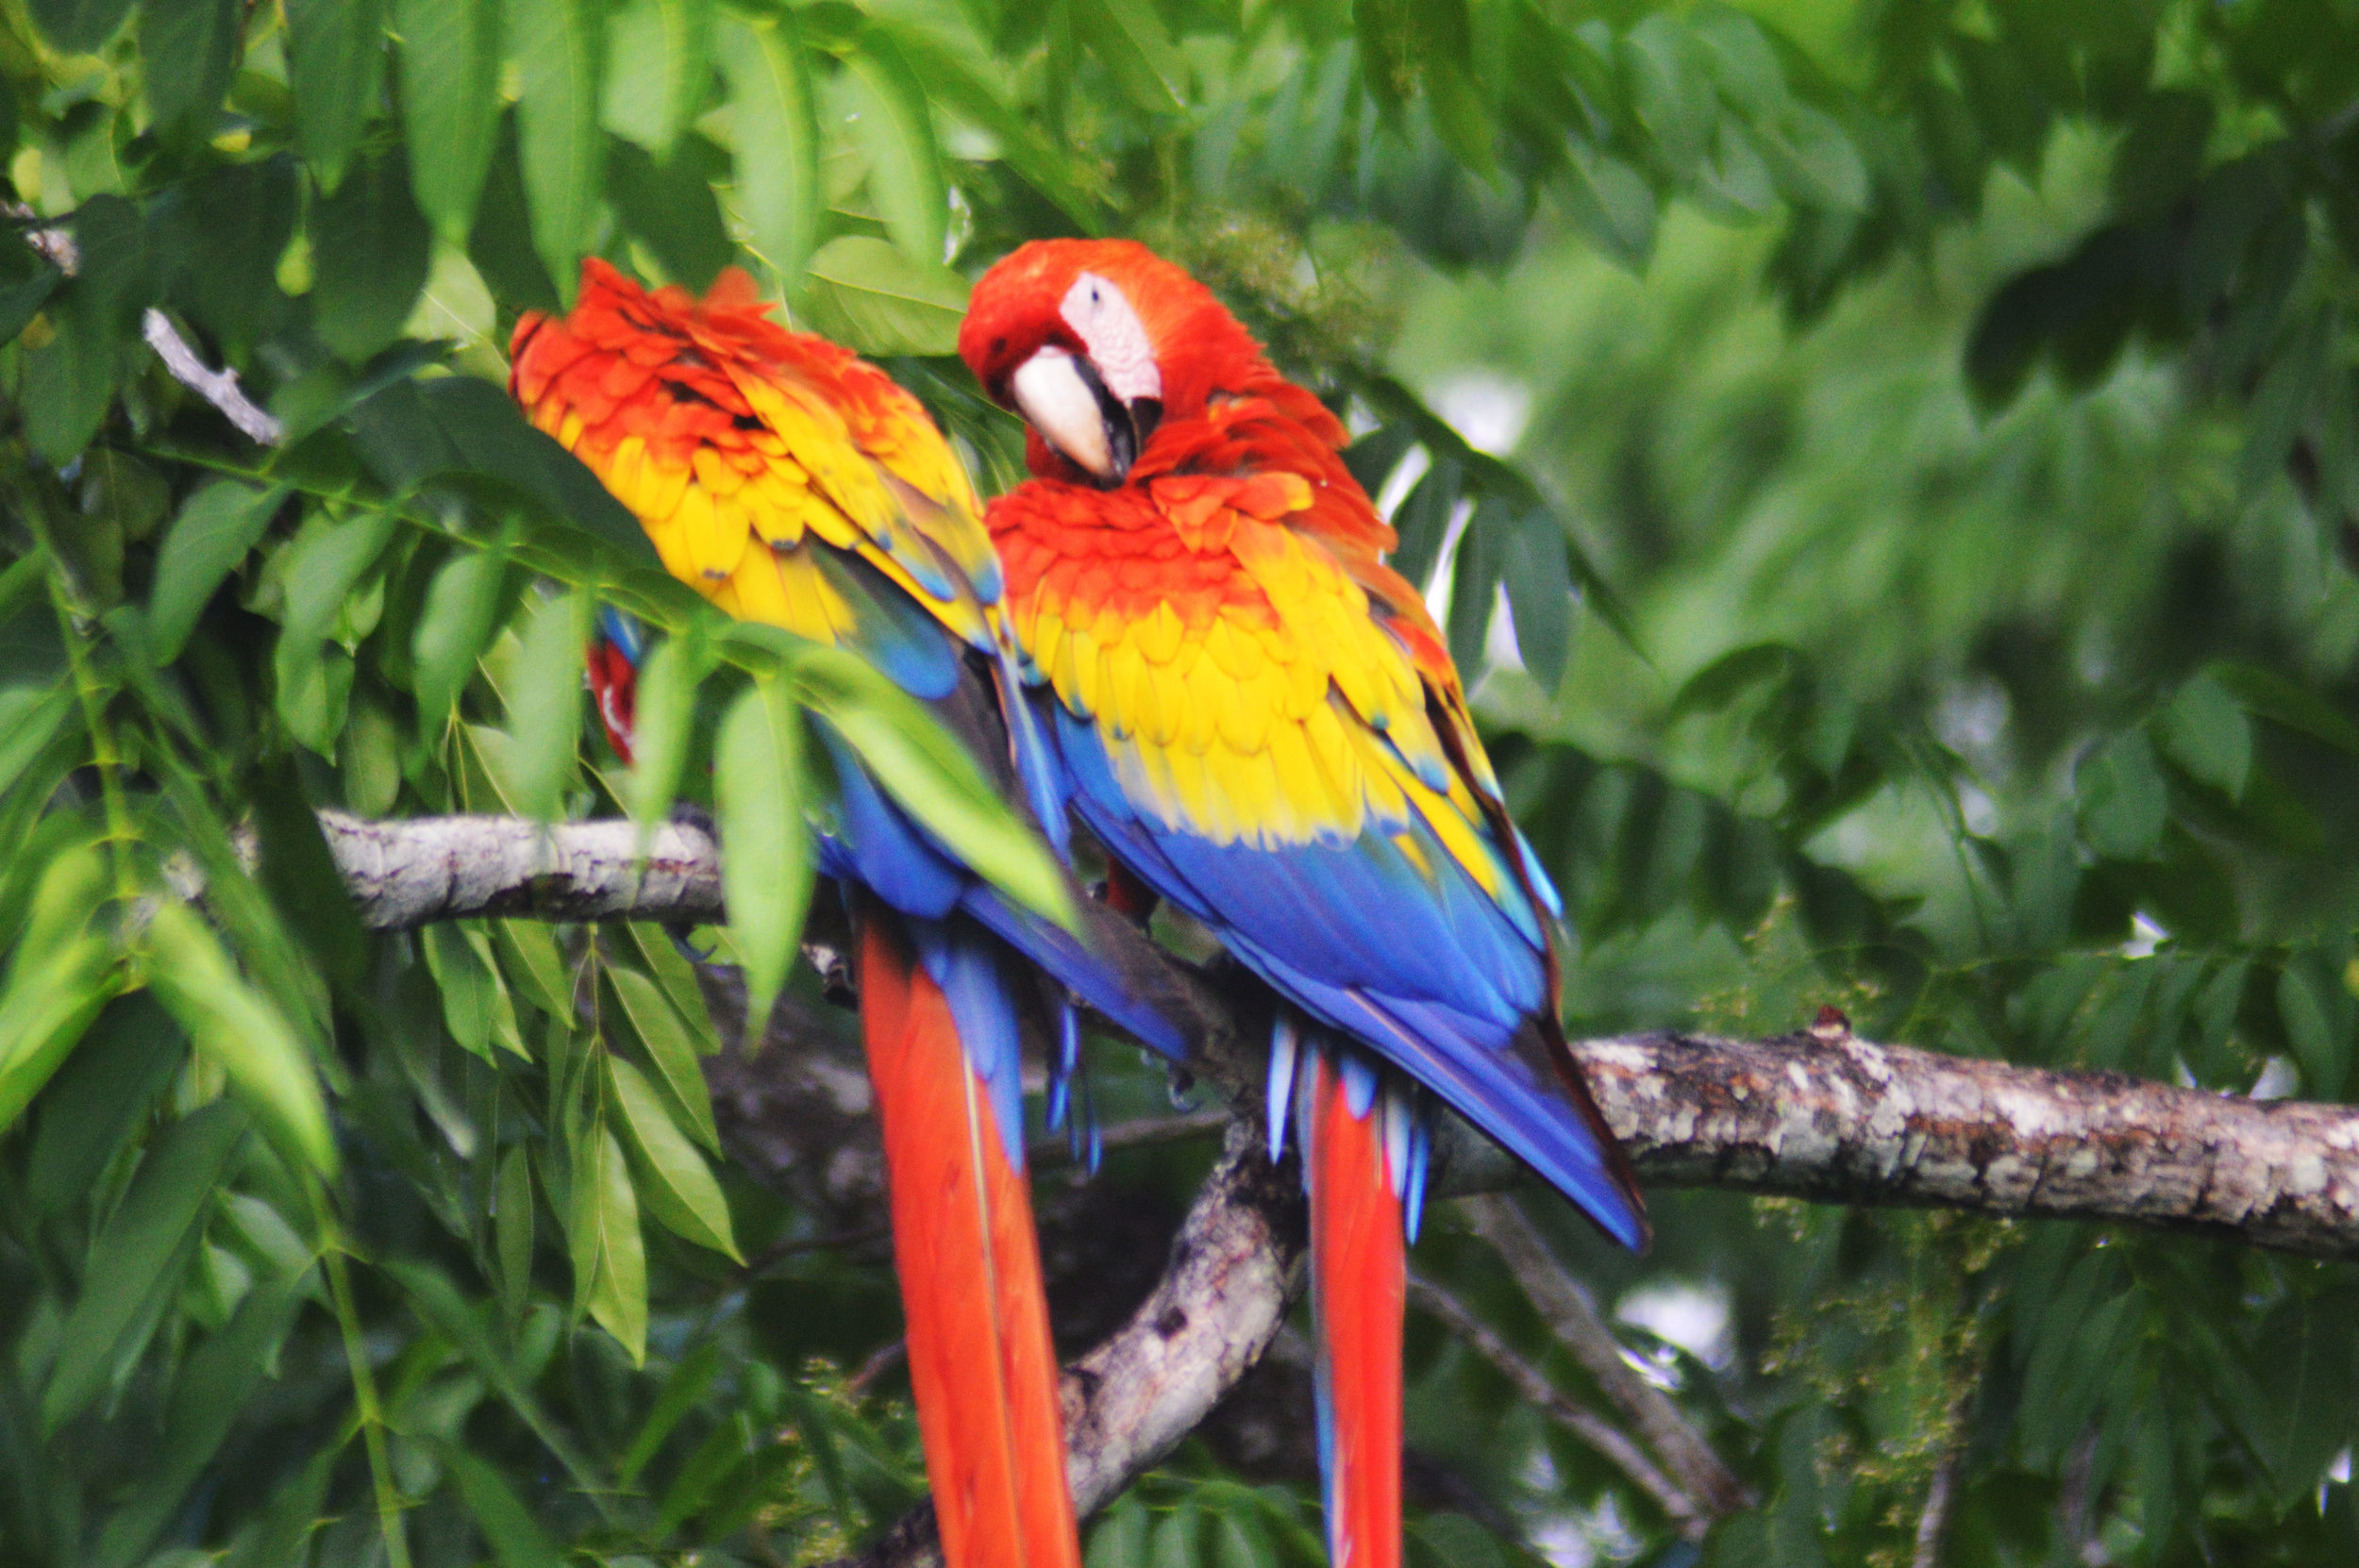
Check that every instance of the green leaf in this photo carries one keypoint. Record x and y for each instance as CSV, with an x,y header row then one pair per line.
x,y
462,608
766,874
441,1308
529,952
894,125
216,527
610,1256
878,300
671,1047
450,104
371,250
1540,596
500,244
30,718
232,255
670,207
1120,1538
69,381
679,1185
200,39
545,703
336,69
1129,39
2204,730
776,136
512,1217
300,873
2122,799
2320,1045
78,26
558,44
236,1028
47,1006
934,778
138,1259
22,301
656,79
98,1099
1611,201
467,984
208,1398
324,565
515,1537
665,713
2282,403
683,1391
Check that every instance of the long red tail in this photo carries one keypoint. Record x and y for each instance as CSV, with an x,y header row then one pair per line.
x,y
1358,1280
979,1355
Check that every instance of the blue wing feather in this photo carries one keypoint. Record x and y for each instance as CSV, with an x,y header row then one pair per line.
x,y
1422,967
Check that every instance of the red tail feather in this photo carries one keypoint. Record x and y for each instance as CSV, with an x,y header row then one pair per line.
x,y
1359,1272
980,1355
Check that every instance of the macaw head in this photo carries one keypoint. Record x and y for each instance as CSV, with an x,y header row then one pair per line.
x,y
1095,342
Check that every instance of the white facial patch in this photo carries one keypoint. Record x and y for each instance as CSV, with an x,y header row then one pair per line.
x,y
1055,400
1113,338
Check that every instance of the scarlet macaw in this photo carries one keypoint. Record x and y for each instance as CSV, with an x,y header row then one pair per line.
x,y
1261,721
793,484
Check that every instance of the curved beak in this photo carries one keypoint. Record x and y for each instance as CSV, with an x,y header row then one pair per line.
x,y
1060,395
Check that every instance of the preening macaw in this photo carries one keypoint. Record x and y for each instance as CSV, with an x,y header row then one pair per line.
x,y
791,483
1261,721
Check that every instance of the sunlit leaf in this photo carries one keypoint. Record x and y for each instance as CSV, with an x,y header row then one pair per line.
x,y
450,104
236,1028
335,68
671,1048
460,609
559,46
217,525
666,708
766,874
880,300
47,1004
609,1257
932,777
777,136
893,123
656,76
678,1187
544,703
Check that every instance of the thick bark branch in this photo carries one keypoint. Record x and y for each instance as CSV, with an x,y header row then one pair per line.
x,y
1839,1120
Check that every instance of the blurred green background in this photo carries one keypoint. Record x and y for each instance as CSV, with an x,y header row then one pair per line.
x,y
1890,470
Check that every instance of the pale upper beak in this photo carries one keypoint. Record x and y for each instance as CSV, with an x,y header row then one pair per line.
x,y
1062,395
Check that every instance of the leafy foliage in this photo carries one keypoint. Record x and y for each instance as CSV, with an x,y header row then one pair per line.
x,y
1959,402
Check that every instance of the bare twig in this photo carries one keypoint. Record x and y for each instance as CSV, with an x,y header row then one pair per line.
x,y
1533,1387
218,386
1564,1307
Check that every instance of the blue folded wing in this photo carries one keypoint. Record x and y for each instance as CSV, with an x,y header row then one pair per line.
x,y
1419,964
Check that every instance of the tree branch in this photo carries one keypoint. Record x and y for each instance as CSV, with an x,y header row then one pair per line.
x,y
1821,1116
